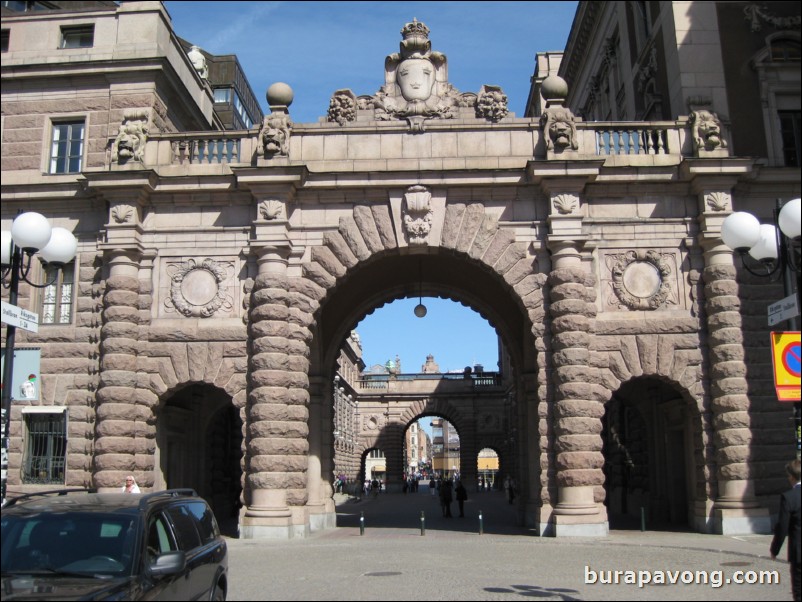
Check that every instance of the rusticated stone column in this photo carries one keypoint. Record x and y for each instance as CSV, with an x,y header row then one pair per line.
x,y
119,416
322,513
736,509
277,407
577,414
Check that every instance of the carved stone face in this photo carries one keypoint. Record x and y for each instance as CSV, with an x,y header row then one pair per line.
x,y
129,141
128,145
560,133
708,129
416,79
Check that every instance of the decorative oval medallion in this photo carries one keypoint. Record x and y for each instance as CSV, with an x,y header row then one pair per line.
x,y
640,280
195,290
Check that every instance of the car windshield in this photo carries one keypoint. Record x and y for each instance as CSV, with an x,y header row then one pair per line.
x,y
93,544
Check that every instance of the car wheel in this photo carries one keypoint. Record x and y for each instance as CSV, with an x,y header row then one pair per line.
x,y
219,594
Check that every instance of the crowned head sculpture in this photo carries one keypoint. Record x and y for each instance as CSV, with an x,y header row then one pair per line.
x,y
416,84
416,88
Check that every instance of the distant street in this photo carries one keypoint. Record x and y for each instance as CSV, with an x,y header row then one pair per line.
x,y
393,561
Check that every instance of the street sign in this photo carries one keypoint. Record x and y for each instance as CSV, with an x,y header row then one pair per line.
x,y
783,310
787,358
21,318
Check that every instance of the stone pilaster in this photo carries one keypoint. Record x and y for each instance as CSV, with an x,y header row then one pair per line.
x,y
577,415
322,513
277,430
735,510
119,416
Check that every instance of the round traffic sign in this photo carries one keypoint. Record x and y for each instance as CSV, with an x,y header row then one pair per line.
x,y
792,358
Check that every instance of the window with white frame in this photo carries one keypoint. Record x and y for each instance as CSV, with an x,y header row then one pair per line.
x,y
45,456
67,147
59,296
78,36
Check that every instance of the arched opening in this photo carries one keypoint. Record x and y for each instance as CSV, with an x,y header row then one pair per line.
x,y
487,469
480,400
199,446
374,467
648,451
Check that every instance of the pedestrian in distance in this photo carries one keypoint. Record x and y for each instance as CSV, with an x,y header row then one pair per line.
x,y
130,485
788,525
462,495
509,489
445,498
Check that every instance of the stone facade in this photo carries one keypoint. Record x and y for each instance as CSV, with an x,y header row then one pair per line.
x,y
218,282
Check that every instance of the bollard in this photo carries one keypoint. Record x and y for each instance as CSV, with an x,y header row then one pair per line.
x,y
361,523
481,524
422,523
642,518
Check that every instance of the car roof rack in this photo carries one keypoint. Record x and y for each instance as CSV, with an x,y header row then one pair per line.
x,y
11,501
166,493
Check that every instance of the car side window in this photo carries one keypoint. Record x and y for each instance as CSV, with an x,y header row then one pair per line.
x,y
206,523
160,538
185,529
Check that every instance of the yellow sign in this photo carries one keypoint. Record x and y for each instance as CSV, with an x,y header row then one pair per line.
x,y
787,358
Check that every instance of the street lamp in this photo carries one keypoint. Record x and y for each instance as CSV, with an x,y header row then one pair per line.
x,y
772,249
766,249
30,232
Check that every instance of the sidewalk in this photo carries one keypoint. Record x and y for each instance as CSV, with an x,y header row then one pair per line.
x,y
393,561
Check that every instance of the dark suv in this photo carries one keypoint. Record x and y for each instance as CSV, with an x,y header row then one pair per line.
x,y
112,546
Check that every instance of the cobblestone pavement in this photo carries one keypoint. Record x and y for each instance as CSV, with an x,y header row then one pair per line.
x,y
452,561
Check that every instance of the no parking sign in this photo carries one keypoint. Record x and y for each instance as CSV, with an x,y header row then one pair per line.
x,y
787,358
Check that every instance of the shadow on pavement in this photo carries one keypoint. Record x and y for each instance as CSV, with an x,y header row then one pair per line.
x,y
403,511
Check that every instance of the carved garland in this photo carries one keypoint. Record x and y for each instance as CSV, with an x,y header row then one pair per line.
x,y
191,291
626,267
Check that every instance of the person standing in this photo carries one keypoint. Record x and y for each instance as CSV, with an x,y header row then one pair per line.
x,y
445,498
788,525
130,485
462,495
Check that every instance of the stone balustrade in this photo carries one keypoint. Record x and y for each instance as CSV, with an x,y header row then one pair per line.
x,y
507,143
634,138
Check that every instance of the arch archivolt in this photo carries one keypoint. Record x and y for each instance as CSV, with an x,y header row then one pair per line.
x,y
174,365
673,357
466,229
433,407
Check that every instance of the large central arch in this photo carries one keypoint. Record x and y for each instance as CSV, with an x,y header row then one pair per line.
x,y
363,265
499,280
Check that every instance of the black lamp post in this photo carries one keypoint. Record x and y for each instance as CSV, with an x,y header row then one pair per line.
x,y
767,250
30,232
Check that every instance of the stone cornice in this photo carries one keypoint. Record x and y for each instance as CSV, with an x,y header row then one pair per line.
x,y
585,21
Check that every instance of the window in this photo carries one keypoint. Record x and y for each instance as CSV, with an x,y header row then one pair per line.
x,y
46,447
66,151
160,538
58,297
789,132
242,112
21,6
783,49
81,36
185,530
222,95
4,38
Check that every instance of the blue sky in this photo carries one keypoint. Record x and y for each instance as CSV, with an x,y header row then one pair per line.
x,y
320,47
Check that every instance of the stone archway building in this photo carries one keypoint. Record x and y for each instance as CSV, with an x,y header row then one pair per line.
x,y
597,263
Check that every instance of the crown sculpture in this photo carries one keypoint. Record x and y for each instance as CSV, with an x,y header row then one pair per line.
x,y
416,88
